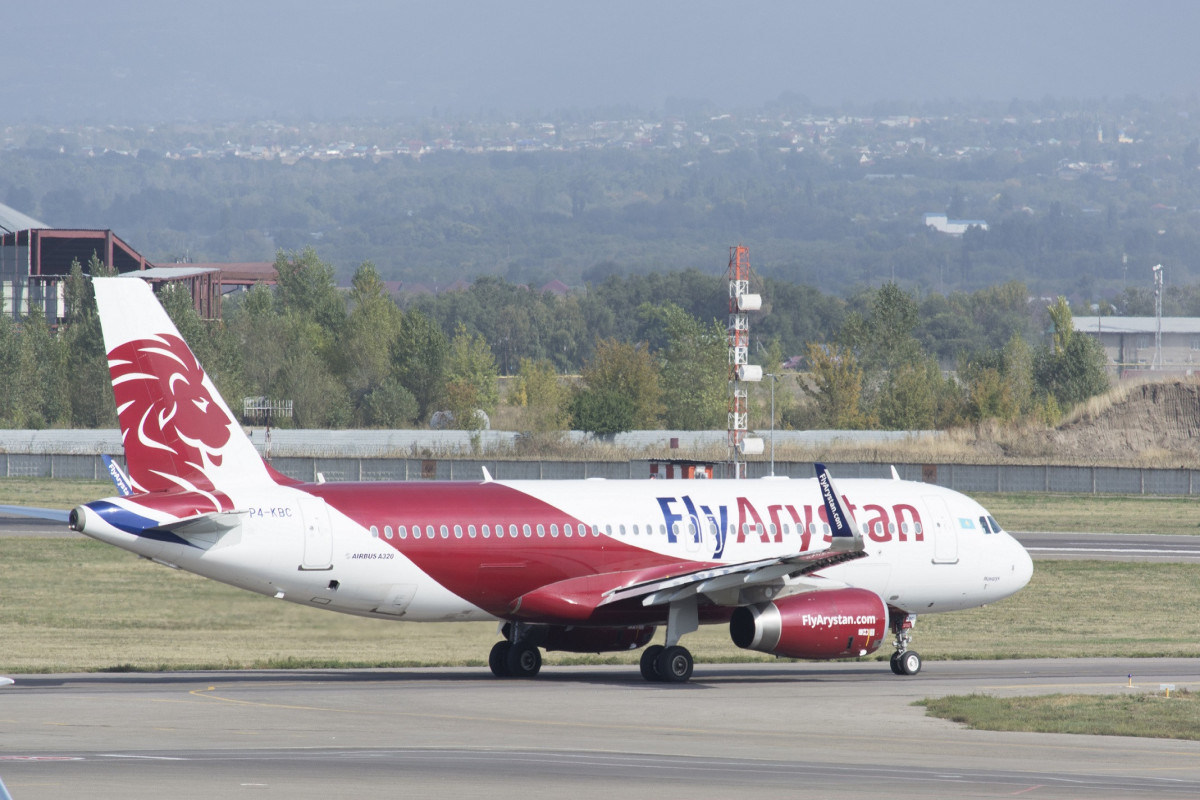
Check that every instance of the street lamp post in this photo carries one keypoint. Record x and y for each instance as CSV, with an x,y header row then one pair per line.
x,y
774,377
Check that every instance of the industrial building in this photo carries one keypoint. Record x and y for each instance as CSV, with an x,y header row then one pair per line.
x,y
1129,343
36,259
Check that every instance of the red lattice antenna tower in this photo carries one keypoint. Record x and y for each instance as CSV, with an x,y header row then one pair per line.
x,y
741,371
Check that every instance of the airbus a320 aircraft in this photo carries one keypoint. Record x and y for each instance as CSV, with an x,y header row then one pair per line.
x,y
797,568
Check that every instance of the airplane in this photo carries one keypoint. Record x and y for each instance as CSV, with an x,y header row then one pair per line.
x,y
802,569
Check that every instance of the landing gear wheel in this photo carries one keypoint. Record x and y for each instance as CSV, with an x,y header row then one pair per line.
x,y
674,664
649,662
523,660
896,664
909,663
498,659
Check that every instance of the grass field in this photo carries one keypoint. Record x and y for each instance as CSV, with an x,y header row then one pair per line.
x,y
1094,513
1141,714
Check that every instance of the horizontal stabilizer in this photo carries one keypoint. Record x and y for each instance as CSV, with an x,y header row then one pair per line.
x,y
29,512
214,523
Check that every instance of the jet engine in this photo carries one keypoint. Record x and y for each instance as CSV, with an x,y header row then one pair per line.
x,y
835,623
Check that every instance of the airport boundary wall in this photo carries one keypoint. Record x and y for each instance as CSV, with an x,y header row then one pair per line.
x,y
968,478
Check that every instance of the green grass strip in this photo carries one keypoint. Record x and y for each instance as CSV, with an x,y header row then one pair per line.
x,y
1141,714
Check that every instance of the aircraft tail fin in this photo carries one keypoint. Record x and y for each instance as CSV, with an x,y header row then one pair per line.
x,y
178,433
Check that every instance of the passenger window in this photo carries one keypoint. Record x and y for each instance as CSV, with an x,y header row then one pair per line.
x,y
402,531
428,531
621,528
771,529
541,530
608,530
445,532
487,532
891,527
525,529
567,530
878,528
458,531
635,530
374,532
387,531
512,531
554,531
416,531
471,531
916,527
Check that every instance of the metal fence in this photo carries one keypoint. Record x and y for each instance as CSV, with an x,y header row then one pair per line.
x,y
968,478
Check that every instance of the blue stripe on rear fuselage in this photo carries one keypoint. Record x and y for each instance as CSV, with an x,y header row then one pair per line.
x,y
125,520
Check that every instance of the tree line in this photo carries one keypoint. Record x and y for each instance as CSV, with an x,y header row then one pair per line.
x,y
629,353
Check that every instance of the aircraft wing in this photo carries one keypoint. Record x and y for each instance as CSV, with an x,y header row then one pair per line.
x,y
577,599
723,579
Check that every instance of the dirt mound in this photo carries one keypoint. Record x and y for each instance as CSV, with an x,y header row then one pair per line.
x,y
1144,423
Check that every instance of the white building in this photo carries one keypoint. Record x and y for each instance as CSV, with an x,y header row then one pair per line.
x,y
952,227
1129,342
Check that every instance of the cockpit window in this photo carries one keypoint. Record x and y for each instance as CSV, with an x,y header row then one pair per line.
x,y
995,525
983,523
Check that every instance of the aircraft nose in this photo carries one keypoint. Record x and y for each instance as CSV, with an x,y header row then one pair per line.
x,y
1022,570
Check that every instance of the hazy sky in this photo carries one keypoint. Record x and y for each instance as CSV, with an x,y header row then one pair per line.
x,y
154,60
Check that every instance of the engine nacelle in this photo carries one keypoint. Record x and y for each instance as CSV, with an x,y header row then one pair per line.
x,y
570,639
838,623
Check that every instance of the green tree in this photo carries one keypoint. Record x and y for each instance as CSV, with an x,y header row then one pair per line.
x,y
620,390
694,372
91,396
419,357
365,345
908,401
835,384
470,380
542,397
1072,368
603,412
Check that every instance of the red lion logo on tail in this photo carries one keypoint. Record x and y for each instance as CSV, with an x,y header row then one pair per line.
x,y
172,428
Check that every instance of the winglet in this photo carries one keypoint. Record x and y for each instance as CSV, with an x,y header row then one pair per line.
x,y
841,521
119,478
895,475
487,476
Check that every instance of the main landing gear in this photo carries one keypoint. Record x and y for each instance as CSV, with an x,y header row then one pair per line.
x,y
515,657
672,663
667,664
905,661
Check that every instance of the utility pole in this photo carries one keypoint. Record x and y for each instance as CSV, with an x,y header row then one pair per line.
x,y
774,376
1157,269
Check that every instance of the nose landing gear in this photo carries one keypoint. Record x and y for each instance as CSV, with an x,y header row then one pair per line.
x,y
904,661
